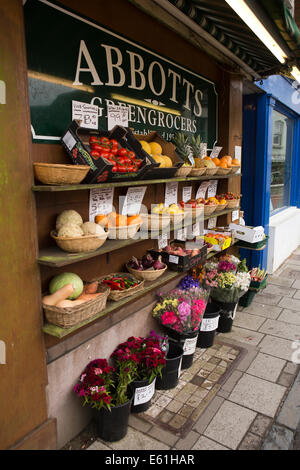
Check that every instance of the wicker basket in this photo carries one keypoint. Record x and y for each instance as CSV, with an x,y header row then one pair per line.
x,y
233,203
68,317
195,211
81,244
123,233
198,171
155,221
209,209
177,218
223,171
220,207
183,171
234,168
119,295
147,275
56,174
211,171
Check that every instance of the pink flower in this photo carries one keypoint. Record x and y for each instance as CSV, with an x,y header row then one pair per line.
x,y
168,318
98,371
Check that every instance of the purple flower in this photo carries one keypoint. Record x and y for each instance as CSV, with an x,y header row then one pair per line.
x,y
184,310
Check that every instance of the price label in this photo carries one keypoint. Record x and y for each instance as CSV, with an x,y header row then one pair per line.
x,y
173,259
86,113
209,324
215,152
212,222
144,394
235,215
202,189
189,346
171,193
133,200
117,116
186,193
162,241
69,140
203,149
212,188
100,202
181,234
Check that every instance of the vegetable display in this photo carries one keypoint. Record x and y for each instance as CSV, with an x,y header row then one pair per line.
x,y
123,160
120,283
257,274
147,263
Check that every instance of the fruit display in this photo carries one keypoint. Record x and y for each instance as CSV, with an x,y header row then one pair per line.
x,y
191,204
155,150
172,209
181,142
220,240
123,160
233,200
119,226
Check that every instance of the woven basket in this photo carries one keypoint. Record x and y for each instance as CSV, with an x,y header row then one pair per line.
x,y
56,174
198,171
220,207
209,209
81,244
155,221
234,168
223,171
123,233
147,275
195,211
68,317
176,218
233,203
119,295
211,171
183,171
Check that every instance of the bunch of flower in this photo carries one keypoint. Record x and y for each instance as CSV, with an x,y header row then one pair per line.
x,y
182,310
97,386
226,266
187,282
242,280
230,287
143,356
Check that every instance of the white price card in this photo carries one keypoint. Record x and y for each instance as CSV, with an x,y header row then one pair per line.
x,y
173,259
202,189
117,116
86,113
235,215
203,149
101,202
215,152
209,324
162,241
186,193
212,222
189,346
212,188
181,234
69,140
133,200
171,193
144,394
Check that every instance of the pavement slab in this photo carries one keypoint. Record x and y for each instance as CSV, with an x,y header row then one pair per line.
x,y
243,335
250,322
277,347
204,443
290,316
281,329
266,367
267,311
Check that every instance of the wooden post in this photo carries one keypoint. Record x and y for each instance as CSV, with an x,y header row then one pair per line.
x,y
23,376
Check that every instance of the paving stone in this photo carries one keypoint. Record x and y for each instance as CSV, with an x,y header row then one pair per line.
x,y
277,347
247,360
281,329
286,379
186,410
251,442
174,406
267,311
258,394
138,423
204,443
290,316
291,368
266,367
261,425
280,281
232,380
268,299
279,438
224,394
163,436
98,445
188,442
289,414
279,290
291,272
297,294
135,440
178,421
166,416
248,321
230,424
296,284
292,304
208,414
154,411
243,335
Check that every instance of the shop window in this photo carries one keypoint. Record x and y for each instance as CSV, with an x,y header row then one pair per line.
x,y
282,144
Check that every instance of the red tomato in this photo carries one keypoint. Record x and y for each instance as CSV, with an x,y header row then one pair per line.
x,y
113,143
94,139
138,163
131,155
114,169
95,154
99,147
114,150
122,152
105,153
104,140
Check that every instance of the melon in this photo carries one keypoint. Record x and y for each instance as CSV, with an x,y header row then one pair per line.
x,y
67,278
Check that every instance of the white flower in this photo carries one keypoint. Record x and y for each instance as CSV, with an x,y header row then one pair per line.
x,y
242,281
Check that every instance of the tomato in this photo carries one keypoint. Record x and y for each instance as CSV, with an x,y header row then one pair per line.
x,y
138,163
131,155
94,139
122,152
114,169
114,150
104,153
113,143
95,154
104,140
99,147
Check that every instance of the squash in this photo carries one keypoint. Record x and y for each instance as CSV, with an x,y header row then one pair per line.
x,y
59,295
87,297
69,303
90,288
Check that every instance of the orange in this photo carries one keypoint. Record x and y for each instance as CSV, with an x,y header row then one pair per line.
x,y
223,164
229,160
216,161
102,220
206,158
134,219
235,161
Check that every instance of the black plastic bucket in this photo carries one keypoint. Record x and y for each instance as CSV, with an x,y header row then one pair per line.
x,y
142,392
208,326
188,342
171,372
227,314
113,425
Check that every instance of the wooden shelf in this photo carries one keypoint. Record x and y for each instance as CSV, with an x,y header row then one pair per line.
x,y
55,257
81,187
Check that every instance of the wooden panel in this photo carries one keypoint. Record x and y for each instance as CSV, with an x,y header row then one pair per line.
x,y
23,378
42,438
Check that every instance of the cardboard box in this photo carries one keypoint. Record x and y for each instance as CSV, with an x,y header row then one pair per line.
x,y
218,245
247,234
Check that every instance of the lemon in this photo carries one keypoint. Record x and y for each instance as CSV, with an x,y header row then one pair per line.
x,y
156,149
168,161
159,160
145,146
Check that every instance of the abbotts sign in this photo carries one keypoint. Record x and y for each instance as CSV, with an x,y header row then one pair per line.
x,y
72,58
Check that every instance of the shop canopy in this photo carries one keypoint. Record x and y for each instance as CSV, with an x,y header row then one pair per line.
x,y
217,22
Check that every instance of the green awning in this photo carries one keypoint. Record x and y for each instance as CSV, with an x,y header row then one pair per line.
x,y
218,19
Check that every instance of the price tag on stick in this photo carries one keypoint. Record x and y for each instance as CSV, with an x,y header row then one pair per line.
x,y
171,193
212,222
215,152
117,116
212,188
203,149
202,189
162,241
100,202
186,193
133,200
